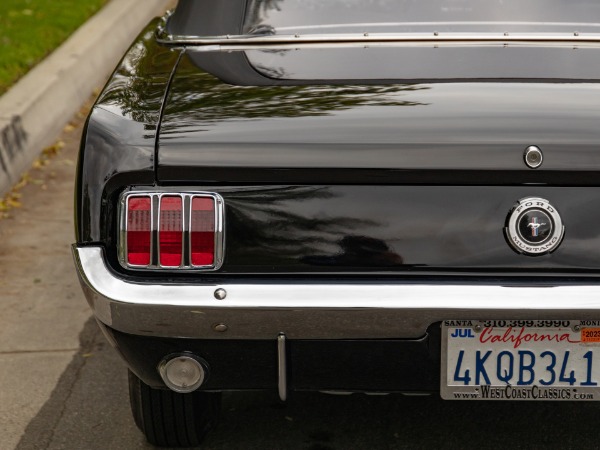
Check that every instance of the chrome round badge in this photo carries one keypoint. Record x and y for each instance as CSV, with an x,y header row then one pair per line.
x,y
534,227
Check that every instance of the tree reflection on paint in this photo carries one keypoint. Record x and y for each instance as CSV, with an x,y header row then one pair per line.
x,y
266,226
199,97
137,91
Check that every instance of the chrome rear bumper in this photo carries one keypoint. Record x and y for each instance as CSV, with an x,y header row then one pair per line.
x,y
313,311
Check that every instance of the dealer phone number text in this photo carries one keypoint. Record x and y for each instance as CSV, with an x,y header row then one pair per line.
x,y
527,323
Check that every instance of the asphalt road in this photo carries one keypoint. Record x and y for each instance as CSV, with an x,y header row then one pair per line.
x,y
63,387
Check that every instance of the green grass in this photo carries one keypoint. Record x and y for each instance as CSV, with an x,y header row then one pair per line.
x,y
31,29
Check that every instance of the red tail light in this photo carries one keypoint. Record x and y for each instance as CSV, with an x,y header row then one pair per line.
x,y
139,228
183,231
202,231
170,233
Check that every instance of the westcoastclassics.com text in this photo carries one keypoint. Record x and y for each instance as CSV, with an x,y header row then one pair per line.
x,y
510,392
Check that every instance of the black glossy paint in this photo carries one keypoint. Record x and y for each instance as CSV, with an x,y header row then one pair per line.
x,y
353,229
211,131
354,365
118,144
233,364
355,176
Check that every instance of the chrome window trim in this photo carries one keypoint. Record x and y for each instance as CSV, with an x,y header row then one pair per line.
x,y
155,199
406,38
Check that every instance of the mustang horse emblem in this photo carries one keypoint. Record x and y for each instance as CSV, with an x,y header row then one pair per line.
x,y
534,225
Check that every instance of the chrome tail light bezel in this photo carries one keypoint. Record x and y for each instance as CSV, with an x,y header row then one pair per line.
x,y
155,198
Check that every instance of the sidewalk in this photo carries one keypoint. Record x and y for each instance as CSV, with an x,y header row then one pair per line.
x,y
33,112
43,308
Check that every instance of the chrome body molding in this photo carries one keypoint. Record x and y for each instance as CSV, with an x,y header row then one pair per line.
x,y
264,310
433,37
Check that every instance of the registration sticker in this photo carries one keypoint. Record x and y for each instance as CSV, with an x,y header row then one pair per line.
x,y
520,360
590,335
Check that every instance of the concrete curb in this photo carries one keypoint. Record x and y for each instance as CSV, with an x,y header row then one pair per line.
x,y
34,111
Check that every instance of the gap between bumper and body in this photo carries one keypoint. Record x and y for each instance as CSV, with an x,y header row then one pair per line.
x,y
345,310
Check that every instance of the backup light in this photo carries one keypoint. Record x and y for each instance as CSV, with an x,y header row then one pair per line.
x,y
171,230
182,373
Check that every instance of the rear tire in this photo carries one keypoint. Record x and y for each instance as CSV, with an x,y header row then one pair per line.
x,y
170,419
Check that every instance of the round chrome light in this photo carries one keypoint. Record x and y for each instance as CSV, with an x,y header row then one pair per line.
x,y
534,227
533,157
182,373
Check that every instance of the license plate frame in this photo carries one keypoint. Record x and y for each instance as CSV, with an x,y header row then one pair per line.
x,y
474,337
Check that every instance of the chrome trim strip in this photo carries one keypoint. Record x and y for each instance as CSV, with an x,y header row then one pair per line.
x,y
329,45
281,368
431,37
263,310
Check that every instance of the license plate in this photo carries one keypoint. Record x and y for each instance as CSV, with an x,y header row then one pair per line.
x,y
520,360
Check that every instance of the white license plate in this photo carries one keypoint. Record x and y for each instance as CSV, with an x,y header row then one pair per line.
x,y
520,360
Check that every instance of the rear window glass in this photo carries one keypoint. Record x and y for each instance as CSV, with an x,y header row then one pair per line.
x,y
416,16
